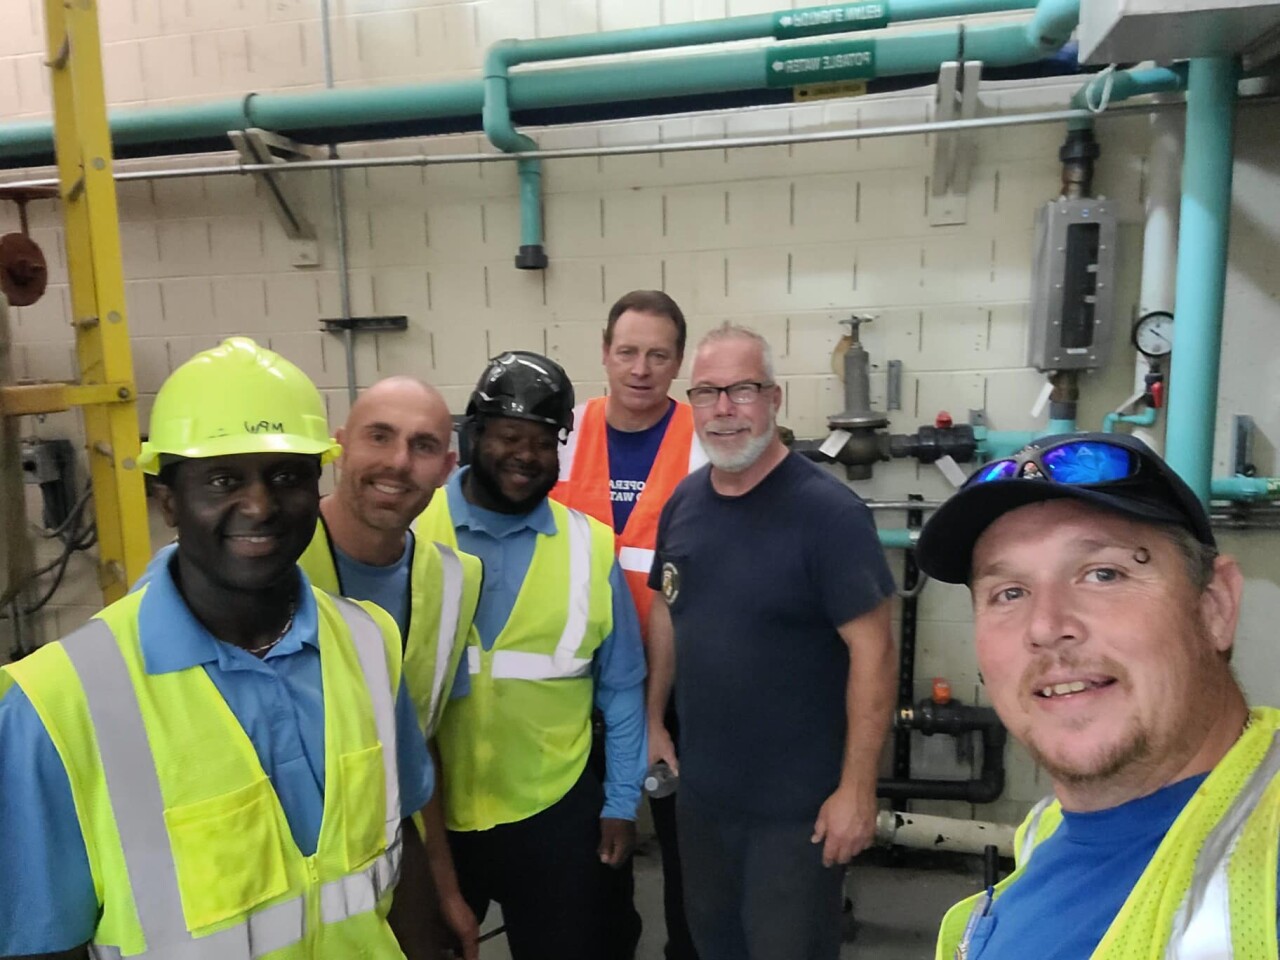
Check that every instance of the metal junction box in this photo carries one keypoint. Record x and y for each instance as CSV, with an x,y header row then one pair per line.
x,y
1073,285
1125,31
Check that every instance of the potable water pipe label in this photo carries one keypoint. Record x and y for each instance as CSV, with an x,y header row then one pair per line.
x,y
820,63
836,18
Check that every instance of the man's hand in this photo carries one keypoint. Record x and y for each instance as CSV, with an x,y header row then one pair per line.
x,y
661,747
617,840
461,922
846,824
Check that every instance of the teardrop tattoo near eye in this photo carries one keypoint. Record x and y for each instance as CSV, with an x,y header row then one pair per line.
x,y
1142,555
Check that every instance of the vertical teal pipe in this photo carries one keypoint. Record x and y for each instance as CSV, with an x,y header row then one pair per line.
x,y
496,116
1202,271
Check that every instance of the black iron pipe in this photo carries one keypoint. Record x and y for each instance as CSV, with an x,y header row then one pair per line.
x,y
907,651
956,720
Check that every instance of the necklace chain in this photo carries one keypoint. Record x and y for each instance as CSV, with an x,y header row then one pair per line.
x,y
280,636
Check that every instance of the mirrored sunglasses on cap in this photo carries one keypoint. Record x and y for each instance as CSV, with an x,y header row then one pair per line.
x,y
1071,461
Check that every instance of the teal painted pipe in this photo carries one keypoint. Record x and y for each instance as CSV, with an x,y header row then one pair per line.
x,y
1052,19
1202,271
1051,26
1144,419
1245,488
1124,85
998,444
297,113
900,539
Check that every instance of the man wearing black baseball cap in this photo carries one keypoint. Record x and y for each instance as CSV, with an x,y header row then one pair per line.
x,y
1105,620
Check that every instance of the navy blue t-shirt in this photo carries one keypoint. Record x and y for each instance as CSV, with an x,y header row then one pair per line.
x,y
631,457
757,586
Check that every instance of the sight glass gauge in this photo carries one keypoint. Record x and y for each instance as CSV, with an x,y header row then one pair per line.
x,y
1153,334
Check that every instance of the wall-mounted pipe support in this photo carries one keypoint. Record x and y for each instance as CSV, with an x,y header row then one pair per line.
x,y
1202,270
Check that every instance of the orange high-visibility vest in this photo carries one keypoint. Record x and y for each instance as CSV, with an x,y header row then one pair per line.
x,y
584,486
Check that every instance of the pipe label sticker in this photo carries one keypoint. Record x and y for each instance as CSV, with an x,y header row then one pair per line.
x,y
820,63
837,18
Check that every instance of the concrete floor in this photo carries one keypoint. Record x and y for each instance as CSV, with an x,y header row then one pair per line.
x,y
897,909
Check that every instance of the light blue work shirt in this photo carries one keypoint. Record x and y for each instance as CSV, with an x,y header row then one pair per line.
x,y
389,587
47,898
504,543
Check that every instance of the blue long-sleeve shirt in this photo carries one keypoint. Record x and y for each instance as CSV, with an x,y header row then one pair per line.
x,y
47,898
505,543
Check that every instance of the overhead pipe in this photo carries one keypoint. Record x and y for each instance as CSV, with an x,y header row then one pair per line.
x,y
503,55
1202,270
1115,86
347,114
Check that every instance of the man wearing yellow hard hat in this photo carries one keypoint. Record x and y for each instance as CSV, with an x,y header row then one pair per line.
x,y
216,766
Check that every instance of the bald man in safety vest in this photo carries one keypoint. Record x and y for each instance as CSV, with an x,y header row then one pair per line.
x,y
627,453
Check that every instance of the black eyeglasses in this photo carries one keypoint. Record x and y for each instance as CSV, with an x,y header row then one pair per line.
x,y
746,391
1067,461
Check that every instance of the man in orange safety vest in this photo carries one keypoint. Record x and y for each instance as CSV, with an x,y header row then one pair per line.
x,y
625,456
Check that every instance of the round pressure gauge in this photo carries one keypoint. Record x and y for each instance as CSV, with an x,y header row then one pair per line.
x,y
1153,334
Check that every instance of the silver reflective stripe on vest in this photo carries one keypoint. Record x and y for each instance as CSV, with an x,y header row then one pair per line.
x,y
1033,827
450,610
366,637
1202,925
360,892
518,665
579,606
133,787
270,929
635,559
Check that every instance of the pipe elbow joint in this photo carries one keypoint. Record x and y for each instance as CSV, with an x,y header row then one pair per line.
x,y
500,57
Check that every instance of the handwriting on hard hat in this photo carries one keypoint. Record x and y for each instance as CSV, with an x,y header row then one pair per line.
x,y
264,426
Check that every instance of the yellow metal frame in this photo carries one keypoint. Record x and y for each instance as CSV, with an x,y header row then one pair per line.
x,y
106,392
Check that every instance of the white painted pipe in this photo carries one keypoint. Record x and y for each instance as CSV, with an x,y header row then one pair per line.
x,y
922,832
1159,237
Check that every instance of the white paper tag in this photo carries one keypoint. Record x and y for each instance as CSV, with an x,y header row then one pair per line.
x,y
951,470
835,443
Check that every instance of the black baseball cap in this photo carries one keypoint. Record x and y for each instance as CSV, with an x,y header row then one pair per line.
x,y
1150,491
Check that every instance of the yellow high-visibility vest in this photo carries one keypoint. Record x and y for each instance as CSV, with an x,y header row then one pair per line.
x,y
444,588
191,854
1209,890
517,743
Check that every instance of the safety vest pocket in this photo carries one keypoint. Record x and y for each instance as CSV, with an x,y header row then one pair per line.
x,y
364,788
229,853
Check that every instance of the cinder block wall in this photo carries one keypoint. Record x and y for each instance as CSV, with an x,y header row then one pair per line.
x,y
786,238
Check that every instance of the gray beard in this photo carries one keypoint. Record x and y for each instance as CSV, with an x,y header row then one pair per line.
x,y
751,451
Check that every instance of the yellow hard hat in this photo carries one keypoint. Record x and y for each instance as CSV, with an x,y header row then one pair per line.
x,y
237,398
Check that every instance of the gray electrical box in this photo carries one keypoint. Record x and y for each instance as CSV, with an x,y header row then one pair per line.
x,y
1073,285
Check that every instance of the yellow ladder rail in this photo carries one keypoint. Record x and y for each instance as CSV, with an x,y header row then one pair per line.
x,y
82,138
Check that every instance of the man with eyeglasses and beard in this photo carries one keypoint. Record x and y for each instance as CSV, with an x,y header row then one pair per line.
x,y
530,824
775,618
1105,620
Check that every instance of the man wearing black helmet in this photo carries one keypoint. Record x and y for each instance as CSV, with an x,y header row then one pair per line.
x,y
1105,621
530,824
